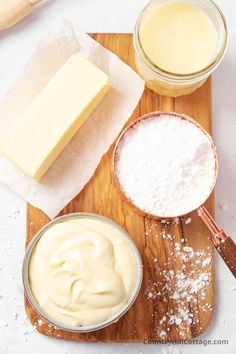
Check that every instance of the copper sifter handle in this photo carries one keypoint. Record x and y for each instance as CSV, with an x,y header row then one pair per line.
x,y
222,242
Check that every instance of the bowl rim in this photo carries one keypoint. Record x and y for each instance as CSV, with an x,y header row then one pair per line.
x,y
150,115
90,328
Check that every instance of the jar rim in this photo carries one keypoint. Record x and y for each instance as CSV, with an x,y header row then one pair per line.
x,y
175,77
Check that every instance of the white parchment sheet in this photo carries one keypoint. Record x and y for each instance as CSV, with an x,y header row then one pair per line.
x,y
77,163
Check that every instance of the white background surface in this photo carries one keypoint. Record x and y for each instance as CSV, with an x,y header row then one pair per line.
x,y
16,45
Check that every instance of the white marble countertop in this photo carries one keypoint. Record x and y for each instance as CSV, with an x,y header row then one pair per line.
x,y
16,45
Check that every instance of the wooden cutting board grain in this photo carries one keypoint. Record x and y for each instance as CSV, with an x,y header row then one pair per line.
x,y
160,312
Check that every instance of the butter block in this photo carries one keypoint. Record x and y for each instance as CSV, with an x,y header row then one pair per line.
x,y
55,116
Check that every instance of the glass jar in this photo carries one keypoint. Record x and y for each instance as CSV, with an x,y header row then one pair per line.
x,y
167,83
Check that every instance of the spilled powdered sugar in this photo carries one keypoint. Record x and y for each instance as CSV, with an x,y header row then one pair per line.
x,y
182,282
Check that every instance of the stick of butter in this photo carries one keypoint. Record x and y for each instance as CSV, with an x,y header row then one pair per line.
x,y
55,116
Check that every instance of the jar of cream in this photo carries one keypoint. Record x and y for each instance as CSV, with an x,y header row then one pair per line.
x,y
82,272
178,44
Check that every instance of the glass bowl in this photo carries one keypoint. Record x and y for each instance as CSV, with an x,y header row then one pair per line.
x,y
89,328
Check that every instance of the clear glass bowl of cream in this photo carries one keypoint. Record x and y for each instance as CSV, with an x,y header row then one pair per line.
x,y
82,272
178,44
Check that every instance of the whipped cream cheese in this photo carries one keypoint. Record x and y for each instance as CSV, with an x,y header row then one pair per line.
x,y
82,271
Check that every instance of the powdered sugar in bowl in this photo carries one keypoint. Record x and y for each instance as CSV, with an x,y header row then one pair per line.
x,y
165,164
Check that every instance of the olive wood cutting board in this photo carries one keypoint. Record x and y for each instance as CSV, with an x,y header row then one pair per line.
x,y
160,312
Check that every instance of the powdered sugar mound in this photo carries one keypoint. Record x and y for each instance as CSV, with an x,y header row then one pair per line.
x,y
166,165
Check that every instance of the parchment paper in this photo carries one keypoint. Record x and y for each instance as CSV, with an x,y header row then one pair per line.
x,y
77,163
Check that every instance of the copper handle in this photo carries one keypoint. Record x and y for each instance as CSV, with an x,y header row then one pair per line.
x,y
222,242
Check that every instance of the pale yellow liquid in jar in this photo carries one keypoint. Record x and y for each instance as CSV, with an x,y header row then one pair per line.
x,y
179,38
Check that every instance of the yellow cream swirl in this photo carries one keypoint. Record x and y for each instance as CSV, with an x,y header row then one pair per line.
x,y
82,271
